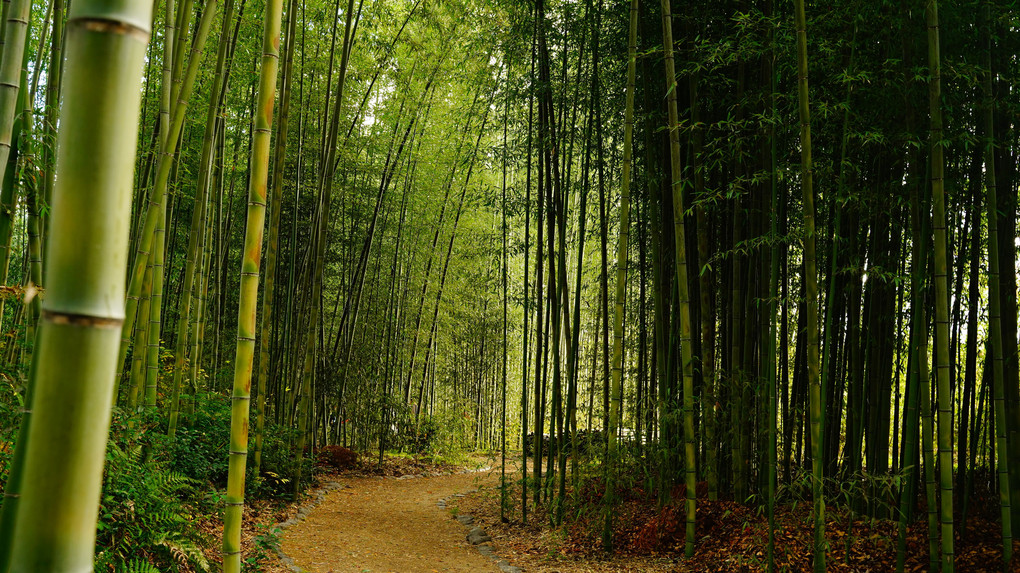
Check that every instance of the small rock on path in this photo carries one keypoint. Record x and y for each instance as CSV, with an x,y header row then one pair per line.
x,y
388,525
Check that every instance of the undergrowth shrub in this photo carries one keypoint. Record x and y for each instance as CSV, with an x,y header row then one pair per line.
x,y
446,432
337,457
10,419
145,516
264,547
200,450
418,439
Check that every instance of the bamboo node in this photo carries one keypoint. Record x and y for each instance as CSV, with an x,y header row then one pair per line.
x,y
114,27
55,317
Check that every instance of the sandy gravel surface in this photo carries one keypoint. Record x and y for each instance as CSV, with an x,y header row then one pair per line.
x,y
388,525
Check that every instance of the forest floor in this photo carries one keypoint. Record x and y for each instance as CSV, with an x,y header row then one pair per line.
x,y
386,519
730,537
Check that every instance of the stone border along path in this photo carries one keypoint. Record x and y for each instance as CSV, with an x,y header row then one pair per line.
x,y
476,535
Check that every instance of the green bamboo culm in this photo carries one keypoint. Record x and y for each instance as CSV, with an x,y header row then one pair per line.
x,y
616,389
944,392
139,359
325,185
11,98
679,234
12,489
15,37
917,381
248,302
994,305
771,378
77,342
928,445
34,207
155,308
811,290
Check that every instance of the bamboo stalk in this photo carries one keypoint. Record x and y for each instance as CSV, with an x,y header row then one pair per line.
x,y
616,391
81,316
248,300
811,293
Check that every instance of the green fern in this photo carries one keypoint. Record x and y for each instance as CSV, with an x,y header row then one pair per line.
x,y
145,510
137,565
185,552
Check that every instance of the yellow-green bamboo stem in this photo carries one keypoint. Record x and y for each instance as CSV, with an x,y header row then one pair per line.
x,y
155,310
203,290
29,180
944,391
53,74
167,78
326,189
680,234
15,38
136,387
928,444
188,315
248,300
184,322
196,327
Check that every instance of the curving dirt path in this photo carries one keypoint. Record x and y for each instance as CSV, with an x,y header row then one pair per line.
x,y
384,525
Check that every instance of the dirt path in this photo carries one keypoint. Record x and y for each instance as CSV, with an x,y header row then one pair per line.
x,y
382,525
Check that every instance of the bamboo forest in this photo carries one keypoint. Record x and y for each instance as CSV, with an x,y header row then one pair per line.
x,y
509,285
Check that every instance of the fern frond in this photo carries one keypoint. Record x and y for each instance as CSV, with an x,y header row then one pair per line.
x,y
137,565
185,552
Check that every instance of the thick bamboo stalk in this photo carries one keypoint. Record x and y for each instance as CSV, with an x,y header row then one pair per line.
x,y
155,312
944,392
77,342
15,38
679,235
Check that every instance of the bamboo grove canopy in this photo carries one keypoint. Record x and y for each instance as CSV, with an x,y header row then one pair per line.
x,y
749,247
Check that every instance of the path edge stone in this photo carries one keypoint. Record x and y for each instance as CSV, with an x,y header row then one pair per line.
x,y
477,536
